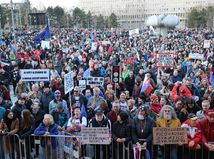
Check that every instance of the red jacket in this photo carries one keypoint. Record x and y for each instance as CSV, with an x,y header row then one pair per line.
x,y
193,133
207,129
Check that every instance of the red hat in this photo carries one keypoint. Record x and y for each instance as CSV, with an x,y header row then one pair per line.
x,y
210,113
153,97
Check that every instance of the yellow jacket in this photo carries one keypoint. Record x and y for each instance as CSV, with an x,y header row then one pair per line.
x,y
161,122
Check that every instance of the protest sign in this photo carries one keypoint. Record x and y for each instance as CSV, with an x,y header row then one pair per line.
x,y
45,44
196,56
35,75
164,60
95,81
68,82
206,44
169,135
94,46
134,32
95,135
82,84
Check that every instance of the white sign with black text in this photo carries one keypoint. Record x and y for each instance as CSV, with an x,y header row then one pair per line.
x,y
29,75
68,82
95,81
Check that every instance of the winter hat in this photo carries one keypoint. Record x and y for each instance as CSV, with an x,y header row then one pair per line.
x,y
153,97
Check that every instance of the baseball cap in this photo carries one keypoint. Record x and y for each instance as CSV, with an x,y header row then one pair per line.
x,y
99,111
192,116
143,108
57,93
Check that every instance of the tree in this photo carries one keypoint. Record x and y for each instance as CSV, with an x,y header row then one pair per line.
x,y
89,20
100,22
79,17
59,14
113,21
24,10
3,16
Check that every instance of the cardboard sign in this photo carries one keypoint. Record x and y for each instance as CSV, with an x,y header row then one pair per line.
x,y
82,84
68,82
169,135
134,32
45,44
196,56
95,81
94,46
164,60
28,75
206,44
95,135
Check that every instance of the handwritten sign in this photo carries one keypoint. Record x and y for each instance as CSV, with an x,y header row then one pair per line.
x,y
164,60
95,135
95,81
169,135
68,82
134,32
206,44
35,74
196,56
82,84
45,44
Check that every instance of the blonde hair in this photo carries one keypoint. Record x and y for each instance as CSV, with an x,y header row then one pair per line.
x,y
50,118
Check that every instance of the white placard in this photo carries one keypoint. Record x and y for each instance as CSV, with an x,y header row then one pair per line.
x,y
94,46
82,84
45,44
95,135
164,60
206,44
95,81
68,82
35,74
196,56
134,32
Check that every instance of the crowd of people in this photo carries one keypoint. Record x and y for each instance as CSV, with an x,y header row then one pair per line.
x,y
145,97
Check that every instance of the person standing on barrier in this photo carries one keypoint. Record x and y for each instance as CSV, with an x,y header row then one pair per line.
x,y
49,144
100,121
121,134
142,128
207,128
9,126
168,118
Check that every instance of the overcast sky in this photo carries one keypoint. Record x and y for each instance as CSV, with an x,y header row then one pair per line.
x,y
68,4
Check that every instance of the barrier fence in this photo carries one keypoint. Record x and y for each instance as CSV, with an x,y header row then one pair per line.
x,y
67,146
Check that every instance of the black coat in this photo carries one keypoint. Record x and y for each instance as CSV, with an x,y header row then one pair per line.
x,y
38,117
129,84
121,130
143,129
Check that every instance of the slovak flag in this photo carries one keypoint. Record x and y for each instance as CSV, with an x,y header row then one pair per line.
x,y
146,87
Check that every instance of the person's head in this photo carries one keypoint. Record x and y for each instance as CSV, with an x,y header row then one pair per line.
x,y
57,95
175,73
25,114
131,103
122,117
116,106
131,73
46,89
154,99
77,111
99,114
163,100
178,104
210,115
59,107
188,82
21,101
122,96
35,107
142,112
35,87
96,91
167,112
103,105
87,92
48,120
193,119
76,91
205,105
8,115
139,100
109,87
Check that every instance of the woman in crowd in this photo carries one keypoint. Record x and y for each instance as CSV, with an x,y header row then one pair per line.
x,y
21,88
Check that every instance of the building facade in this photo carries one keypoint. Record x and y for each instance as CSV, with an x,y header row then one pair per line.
x,y
133,13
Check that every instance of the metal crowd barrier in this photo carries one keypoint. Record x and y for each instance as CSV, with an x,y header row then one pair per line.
x,y
67,146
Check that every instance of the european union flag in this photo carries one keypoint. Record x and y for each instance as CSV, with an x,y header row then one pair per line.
x,y
44,35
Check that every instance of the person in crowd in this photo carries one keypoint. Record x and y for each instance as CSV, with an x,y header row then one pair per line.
x,y
155,105
168,118
5,91
205,107
19,107
59,115
46,98
132,109
112,115
26,129
35,94
9,126
57,99
49,144
78,99
100,121
77,121
142,127
21,88
207,130
129,82
4,77
175,78
137,87
121,133
123,101
193,137
3,103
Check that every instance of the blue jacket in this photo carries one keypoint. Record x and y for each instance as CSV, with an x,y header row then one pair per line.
x,y
53,130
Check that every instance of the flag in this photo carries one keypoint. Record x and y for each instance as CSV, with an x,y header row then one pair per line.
x,y
151,30
44,35
86,74
83,111
146,57
146,89
212,79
